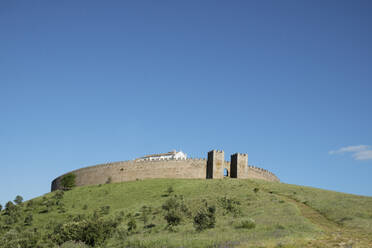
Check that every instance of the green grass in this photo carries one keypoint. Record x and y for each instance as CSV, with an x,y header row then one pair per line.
x,y
284,215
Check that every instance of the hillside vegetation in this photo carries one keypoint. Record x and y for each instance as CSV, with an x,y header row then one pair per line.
x,y
189,213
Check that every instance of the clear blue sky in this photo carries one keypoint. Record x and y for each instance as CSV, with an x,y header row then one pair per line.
x,y
87,82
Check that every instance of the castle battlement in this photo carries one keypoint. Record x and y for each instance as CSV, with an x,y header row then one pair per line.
x,y
214,167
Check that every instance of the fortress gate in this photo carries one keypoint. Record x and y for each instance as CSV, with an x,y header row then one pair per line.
x,y
215,164
239,165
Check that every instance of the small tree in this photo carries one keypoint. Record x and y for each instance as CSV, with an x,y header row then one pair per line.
x,y
28,220
119,217
104,210
1,207
247,223
68,181
58,195
89,230
230,205
10,208
132,224
173,218
175,210
205,218
170,190
145,213
10,219
74,244
18,200
30,203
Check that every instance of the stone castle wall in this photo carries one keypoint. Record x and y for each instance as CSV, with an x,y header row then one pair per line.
x,y
133,170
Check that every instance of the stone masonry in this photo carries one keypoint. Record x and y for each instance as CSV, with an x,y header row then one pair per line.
x,y
238,165
215,164
212,168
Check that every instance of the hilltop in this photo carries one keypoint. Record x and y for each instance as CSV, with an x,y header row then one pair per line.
x,y
166,213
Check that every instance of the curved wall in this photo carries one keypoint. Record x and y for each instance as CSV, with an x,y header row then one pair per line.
x,y
133,170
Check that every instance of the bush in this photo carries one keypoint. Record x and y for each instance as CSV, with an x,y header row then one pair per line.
x,y
230,205
49,203
10,219
58,195
145,214
61,208
10,208
119,217
28,220
171,203
173,217
247,224
18,200
205,218
68,181
16,239
104,210
30,203
169,190
91,231
73,244
132,224
175,209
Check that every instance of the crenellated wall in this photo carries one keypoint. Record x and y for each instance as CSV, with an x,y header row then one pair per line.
x,y
133,170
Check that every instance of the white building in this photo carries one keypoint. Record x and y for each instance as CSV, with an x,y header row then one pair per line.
x,y
164,156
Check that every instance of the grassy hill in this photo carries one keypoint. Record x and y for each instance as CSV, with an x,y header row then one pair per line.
x,y
230,212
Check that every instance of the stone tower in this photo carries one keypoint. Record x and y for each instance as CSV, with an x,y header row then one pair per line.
x,y
239,165
215,164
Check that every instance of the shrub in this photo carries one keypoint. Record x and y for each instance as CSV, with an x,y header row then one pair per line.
x,y
30,203
173,217
77,218
58,195
104,210
18,200
28,220
229,205
16,239
10,219
10,208
255,190
145,214
247,223
170,190
205,218
1,207
44,210
279,226
176,202
119,217
48,203
92,231
61,208
68,181
132,224
171,203
85,207
175,210
121,233
73,244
